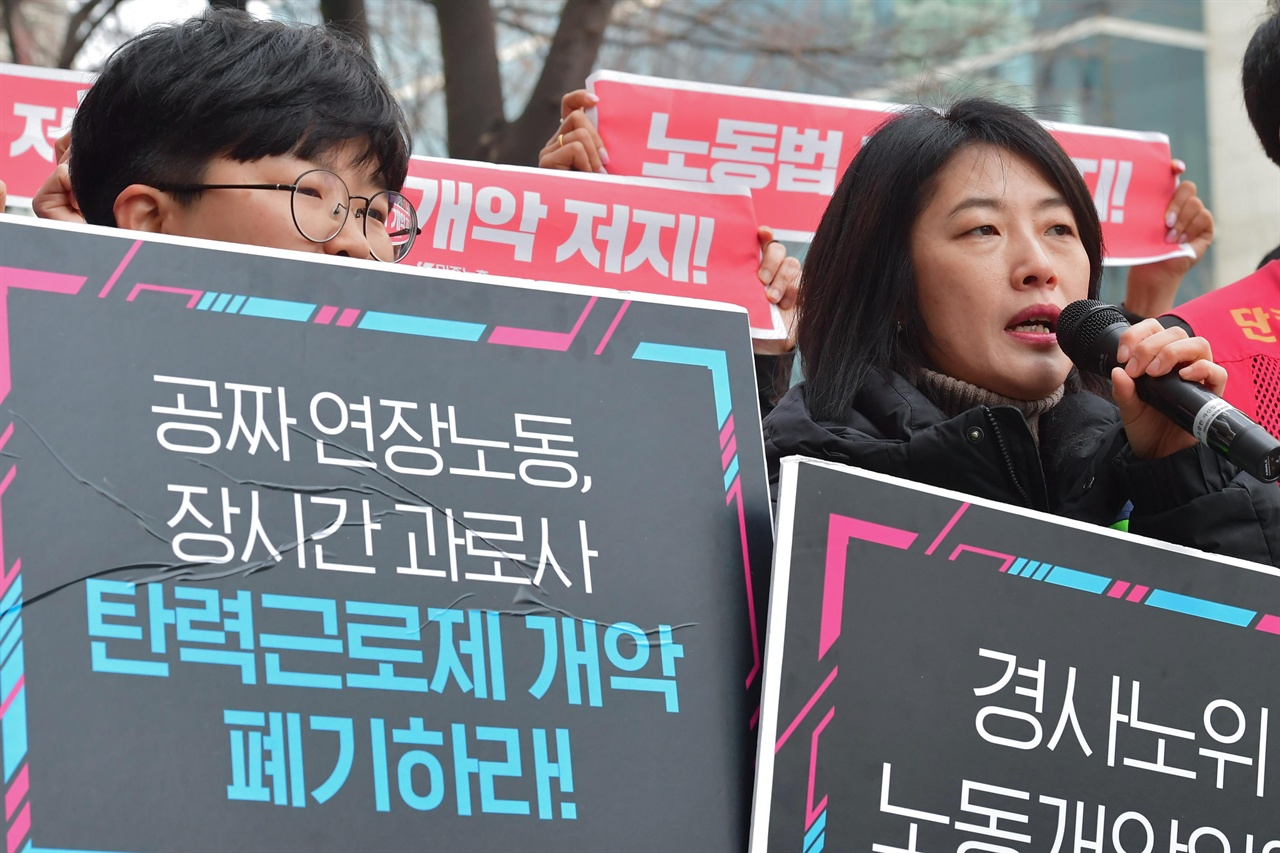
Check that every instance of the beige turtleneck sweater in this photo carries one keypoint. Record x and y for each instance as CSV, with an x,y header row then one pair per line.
x,y
954,396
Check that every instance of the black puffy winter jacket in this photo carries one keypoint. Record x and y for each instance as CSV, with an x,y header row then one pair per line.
x,y
1083,468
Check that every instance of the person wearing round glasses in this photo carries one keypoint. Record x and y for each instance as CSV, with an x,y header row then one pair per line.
x,y
380,224
230,128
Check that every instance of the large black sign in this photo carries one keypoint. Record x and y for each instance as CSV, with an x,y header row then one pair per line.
x,y
332,556
950,674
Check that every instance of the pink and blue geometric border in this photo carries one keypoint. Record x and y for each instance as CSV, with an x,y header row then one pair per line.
x,y
13,722
841,529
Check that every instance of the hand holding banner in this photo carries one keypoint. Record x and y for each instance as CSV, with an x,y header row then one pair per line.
x,y
36,107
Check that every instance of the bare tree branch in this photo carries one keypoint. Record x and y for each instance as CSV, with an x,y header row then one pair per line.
x,y
473,81
573,52
348,16
242,5
21,47
80,26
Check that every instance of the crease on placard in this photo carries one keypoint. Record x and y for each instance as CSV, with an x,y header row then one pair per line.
x,y
527,566
142,519
186,570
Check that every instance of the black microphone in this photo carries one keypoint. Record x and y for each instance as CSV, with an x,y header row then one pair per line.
x,y
1089,333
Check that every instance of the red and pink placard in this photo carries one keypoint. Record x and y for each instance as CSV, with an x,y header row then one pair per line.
x,y
36,107
662,237
790,151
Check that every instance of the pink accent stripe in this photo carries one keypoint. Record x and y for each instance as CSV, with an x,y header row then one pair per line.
x,y
805,710
842,528
7,579
538,339
725,456
52,282
755,718
18,831
16,792
8,478
325,315
726,431
1117,589
348,317
161,288
735,491
1269,623
8,434
1007,559
1139,592
813,811
4,709
128,256
616,319
947,529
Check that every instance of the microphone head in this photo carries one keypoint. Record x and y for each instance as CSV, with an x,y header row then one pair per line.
x,y
1080,325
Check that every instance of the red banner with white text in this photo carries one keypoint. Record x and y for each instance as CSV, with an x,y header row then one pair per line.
x,y
36,107
676,239
791,150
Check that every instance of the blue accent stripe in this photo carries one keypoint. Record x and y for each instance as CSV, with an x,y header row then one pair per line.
x,y
221,302
13,729
1016,568
1029,568
814,831
818,844
278,309
731,472
1044,570
1085,581
427,327
11,638
236,302
712,359
1237,616
206,301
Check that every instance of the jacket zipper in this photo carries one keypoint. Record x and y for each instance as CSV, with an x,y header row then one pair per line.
x,y
1008,460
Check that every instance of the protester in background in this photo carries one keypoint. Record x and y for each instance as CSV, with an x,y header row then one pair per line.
x,y
1242,320
926,330
1260,80
190,127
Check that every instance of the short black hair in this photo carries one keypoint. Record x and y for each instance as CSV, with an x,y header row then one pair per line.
x,y
1260,80
227,84
859,281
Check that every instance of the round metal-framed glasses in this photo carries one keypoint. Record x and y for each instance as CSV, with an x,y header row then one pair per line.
x,y
320,203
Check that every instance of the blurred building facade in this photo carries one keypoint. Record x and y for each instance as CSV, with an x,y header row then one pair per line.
x,y
1166,65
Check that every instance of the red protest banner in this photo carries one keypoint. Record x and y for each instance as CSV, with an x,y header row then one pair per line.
x,y
662,237
36,107
790,150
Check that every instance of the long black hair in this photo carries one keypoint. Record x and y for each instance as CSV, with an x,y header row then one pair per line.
x,y
859,281
1260,80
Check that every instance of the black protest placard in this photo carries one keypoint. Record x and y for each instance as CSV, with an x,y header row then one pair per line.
x,y
312,554
946,673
